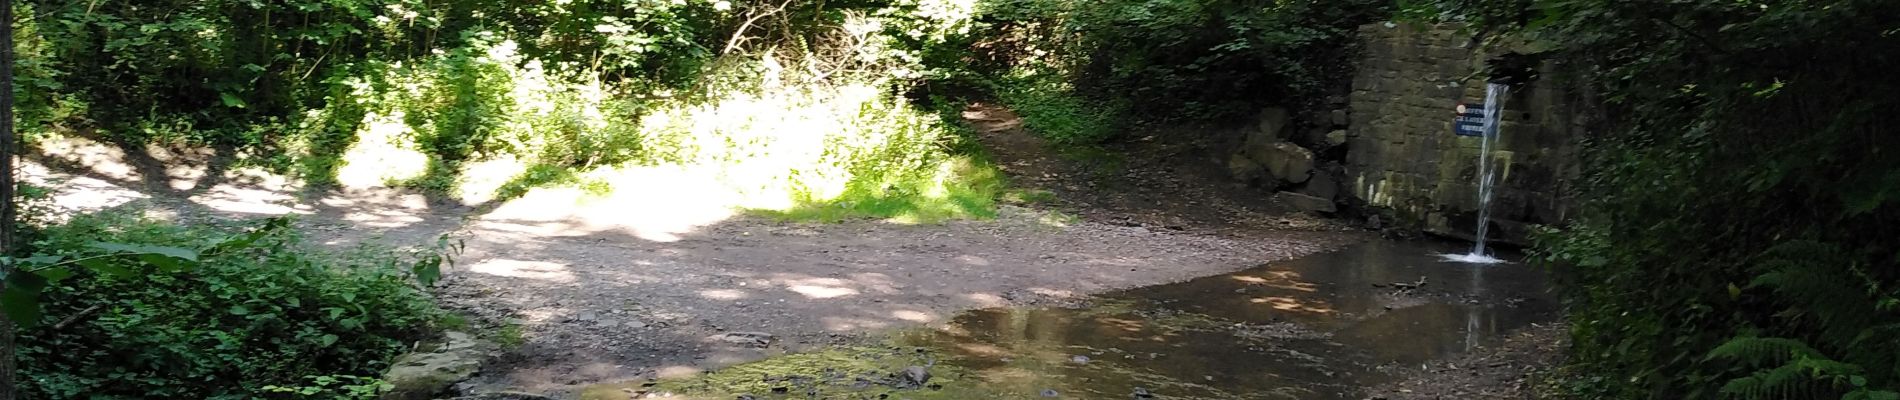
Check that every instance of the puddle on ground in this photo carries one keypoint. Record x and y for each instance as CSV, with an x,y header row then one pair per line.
x,y
1320,327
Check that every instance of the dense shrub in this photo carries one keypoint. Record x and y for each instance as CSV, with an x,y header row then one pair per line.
x,y
252,313
1127,61
1738,234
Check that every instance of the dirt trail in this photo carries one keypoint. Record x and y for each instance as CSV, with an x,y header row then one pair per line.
x,y
635,288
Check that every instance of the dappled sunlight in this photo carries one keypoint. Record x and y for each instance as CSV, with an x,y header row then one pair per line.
x,y
1293,305
986,300
1128,325
99,158
381,154
383,218
973,260
852,324
823,292
914,316
77,193
677,371
876,282
482,180
983,349
724,294
535,270
228,198
652,203
1057,293
1288,280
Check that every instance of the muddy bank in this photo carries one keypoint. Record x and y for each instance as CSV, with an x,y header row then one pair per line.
x,y
1518,367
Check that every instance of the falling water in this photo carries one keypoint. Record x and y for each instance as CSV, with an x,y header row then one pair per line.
x,y
1494,97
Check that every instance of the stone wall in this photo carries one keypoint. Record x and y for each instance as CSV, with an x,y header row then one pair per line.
x,y
1405,161
1387,151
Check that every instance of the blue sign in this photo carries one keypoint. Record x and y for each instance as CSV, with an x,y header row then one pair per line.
x,y
1469,120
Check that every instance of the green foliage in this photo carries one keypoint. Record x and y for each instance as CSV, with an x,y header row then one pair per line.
x,y
1159,60
1739,203
162,311
560,90
1052,110
333,387
837,149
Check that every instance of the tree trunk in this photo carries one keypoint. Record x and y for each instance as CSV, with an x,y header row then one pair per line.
x,y
8,384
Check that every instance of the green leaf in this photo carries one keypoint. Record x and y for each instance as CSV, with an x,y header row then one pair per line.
x,y
428,270
240,310
54,274
1594,261
104,266
42,260
270,226
21,299
327,340
173,252
231,100
166,264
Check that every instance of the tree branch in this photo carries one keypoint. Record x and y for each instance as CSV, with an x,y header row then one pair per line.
x,y
739,34
76,316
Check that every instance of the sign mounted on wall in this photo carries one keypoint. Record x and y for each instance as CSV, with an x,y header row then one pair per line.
x,y
1469,121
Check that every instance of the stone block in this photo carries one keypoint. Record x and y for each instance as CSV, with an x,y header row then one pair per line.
x,y
1323,185
1244,169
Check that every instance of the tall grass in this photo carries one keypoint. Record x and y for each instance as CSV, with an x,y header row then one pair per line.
x,y
483,124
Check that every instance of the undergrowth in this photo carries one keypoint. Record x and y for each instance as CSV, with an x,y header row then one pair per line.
x,y
247,319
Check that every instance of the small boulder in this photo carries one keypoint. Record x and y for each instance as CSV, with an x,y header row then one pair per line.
x,y
1244,169
1285,161
1336,138
916,376
1340,118
422,375
1323,186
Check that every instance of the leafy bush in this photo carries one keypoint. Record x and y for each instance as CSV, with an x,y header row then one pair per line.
x,y
1168,59
1049,108
258,310
1736,239
835,149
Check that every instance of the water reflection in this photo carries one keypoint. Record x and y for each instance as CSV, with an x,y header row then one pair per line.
x,y
1320,327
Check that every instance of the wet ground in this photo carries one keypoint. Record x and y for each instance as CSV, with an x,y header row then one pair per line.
x,y
1325,326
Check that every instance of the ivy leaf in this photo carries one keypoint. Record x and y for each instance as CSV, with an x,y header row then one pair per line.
x,y
240,310
327,340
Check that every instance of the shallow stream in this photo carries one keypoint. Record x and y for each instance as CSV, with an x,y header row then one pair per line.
x,y
1320,327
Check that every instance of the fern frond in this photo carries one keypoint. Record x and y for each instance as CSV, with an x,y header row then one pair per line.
x,y
1760,350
